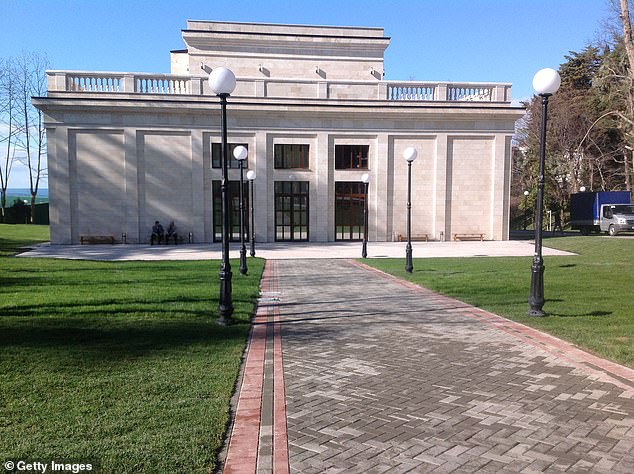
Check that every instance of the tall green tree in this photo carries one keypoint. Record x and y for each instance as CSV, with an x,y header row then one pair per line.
x,y
590,137
570,116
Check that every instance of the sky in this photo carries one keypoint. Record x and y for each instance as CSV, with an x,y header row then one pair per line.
x,y
431,40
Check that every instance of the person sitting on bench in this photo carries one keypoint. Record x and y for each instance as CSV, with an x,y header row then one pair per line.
x,y
157,233
171,233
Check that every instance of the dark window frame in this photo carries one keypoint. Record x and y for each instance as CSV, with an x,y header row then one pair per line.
x,y
216,156
352,157
291,156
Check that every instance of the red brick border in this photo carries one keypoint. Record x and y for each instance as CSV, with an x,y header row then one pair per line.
x,y
242,454
243,444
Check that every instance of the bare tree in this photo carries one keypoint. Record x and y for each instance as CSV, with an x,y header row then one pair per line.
x,y
31,74
7,128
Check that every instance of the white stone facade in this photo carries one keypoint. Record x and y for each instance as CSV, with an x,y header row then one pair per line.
x,y
127,149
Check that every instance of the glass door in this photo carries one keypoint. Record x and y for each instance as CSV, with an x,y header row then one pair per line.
x,y
349,204
291,211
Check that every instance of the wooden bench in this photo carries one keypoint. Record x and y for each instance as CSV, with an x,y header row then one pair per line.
x,y
458,237
96,239
417,237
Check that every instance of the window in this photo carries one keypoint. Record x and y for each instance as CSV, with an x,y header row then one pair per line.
x,y
216,156
349,205
351,157
291,156
291,211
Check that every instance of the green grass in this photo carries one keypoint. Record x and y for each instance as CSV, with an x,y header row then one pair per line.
x,y
122,363
119,363
15,236
589,297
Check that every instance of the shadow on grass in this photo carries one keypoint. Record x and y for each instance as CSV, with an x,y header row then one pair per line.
x,y
112,307
591,313
91,341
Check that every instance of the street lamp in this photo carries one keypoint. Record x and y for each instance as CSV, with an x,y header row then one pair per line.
x,y
366,181
222,82
251,178
546,82
240,153
526,193
410,155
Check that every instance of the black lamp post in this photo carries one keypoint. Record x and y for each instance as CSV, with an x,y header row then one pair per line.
x,y
222,82
526,193
240,153
251,178
546,82
410,155
366,181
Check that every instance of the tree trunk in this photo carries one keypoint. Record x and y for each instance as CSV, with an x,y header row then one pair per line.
x,y
628,41
626,162
627,35
32,219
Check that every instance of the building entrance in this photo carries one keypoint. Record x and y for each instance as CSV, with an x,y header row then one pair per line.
x,y
291,211
234,211
349,204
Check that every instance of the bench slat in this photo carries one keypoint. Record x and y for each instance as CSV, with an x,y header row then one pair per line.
x,y
459,237
96,239
417,237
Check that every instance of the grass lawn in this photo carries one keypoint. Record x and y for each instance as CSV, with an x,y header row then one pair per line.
x,y
116,363
589,297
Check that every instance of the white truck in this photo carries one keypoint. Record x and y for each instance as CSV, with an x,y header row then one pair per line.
x,y
602,211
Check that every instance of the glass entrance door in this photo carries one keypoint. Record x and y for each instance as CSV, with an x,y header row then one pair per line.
x,y
349,203
234,210
291,211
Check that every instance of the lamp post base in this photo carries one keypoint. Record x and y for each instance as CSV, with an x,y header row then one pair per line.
x,y
409,265
243,261
225,308
536,297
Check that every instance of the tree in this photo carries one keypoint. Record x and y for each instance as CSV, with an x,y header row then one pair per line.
x,y
612,130
614,86
8,128
32,82
590,137
569,118
629,49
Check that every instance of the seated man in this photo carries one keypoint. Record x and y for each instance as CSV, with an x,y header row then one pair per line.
x,y
157,233
171,233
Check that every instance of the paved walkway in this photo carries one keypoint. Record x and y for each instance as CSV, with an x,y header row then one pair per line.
x,y
290,250
350,370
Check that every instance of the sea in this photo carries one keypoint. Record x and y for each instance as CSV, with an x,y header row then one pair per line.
x,y
25,193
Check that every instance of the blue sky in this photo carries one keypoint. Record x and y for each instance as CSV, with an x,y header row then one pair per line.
x,y
431,40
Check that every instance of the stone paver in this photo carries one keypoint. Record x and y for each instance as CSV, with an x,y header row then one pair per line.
x,y
383,376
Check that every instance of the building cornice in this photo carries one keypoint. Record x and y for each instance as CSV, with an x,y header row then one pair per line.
x,y
295,116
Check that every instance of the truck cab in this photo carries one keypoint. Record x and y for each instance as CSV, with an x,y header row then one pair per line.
x,y
616,218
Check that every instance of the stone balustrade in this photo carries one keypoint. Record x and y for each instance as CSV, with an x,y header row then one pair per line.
x,y
169,84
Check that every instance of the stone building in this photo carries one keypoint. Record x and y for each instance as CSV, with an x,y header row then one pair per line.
x,y
315,111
